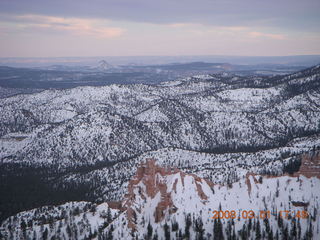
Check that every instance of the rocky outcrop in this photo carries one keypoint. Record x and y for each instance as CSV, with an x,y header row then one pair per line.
x,y
310,165
248,175
116,205
147,183
150,180
198,182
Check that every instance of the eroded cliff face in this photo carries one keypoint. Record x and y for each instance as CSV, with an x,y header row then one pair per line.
x,y
310,165
152,181
158,195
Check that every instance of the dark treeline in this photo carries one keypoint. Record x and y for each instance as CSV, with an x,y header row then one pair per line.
x,y
24,188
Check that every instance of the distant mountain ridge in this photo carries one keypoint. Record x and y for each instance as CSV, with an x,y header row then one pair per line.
x,y
303,60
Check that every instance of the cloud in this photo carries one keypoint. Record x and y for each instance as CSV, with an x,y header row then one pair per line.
x,y
76,26
178,25
293,14
267,35
238,31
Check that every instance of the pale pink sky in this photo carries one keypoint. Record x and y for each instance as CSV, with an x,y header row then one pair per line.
x,y
127,28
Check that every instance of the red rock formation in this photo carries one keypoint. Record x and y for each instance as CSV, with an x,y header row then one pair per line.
x,y
198,180
116,205
310,165
151,176
164,204
248,181
175,185
147,174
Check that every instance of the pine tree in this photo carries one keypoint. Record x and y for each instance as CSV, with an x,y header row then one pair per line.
x,y
285,234
34,235
277,235
280,221
199,229
267,225
68,229
30,223
45,234
315,213
234,237
244,234
180,235
109,215
229,231
23,225
310,231
166,231
249,226
187,226
258,231
217,230
174,226
299,229
293,232
155,236
270,235
110,234
149,230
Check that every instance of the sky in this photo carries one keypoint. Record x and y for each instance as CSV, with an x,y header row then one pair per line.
x,y
61,28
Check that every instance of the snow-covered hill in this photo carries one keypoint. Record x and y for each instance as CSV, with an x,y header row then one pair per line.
x,y
85,143
86,125
166,203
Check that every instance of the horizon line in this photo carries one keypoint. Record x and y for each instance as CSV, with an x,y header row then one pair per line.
x,y
208,55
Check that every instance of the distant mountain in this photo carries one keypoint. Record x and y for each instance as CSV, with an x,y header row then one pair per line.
x,y
196,66
66,77
103,74
103,65
298,60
